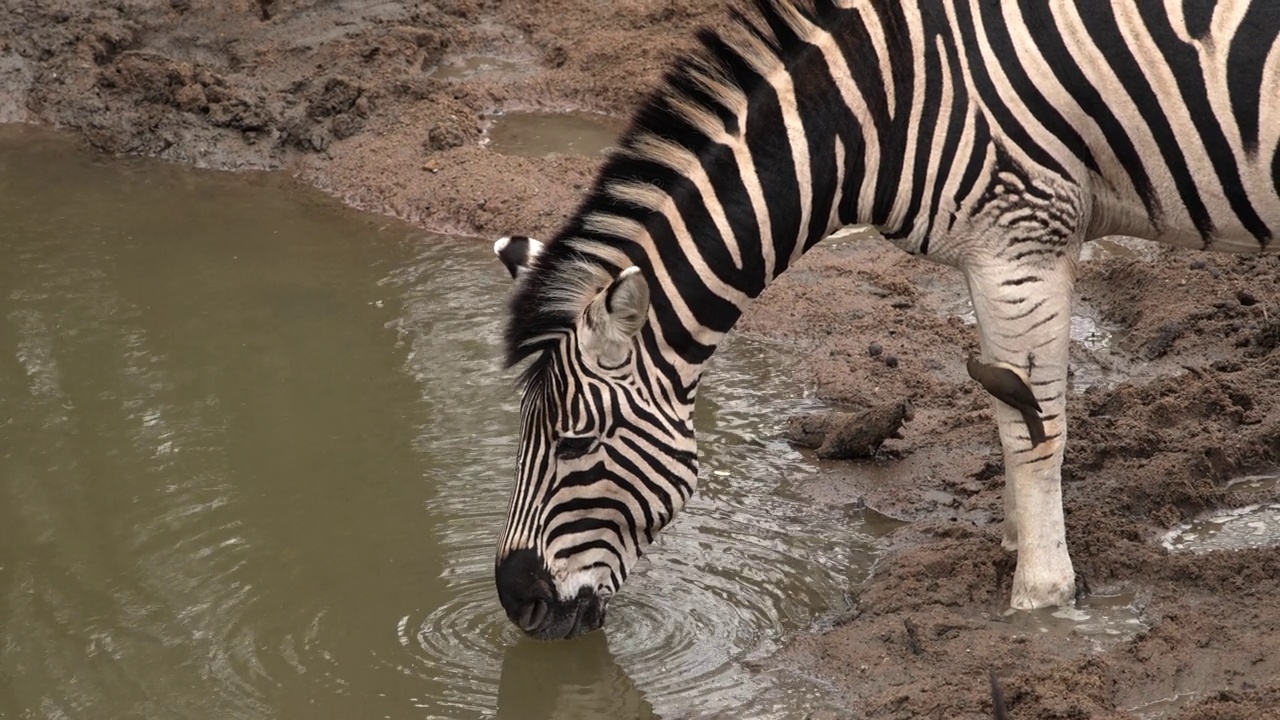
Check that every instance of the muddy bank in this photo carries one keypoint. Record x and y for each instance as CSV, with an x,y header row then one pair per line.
x,y
1180,371
385,104
380,103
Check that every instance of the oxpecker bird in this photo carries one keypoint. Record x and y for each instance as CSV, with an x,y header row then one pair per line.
x,y
1009,385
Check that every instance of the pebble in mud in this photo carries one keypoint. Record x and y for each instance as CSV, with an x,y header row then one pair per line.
x,y
874,349
891,360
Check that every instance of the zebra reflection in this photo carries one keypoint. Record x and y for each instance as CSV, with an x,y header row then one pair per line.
x,y
577,679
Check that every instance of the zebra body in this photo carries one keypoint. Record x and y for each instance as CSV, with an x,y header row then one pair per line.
x,y
996,137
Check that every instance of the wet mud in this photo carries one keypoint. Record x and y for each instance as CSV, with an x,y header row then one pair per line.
x,y
388,104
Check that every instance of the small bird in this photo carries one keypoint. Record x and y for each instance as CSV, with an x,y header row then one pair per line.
x,y
1009,385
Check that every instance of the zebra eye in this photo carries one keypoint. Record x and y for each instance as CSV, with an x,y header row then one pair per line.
x,y
569,448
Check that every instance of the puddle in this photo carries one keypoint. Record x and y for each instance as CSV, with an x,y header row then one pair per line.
x,y
534,134
1118,247
1266,481
1088,333
255,449
1100,363
1163,707
1084,329
468,67
1095,357
849,234
1105,619
1252,526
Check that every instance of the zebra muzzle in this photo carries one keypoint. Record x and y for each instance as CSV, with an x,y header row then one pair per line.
x,y
527,593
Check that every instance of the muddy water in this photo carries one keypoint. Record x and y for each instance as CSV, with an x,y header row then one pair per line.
x,y
472,66
1104,620
1251,526
542,133
255,450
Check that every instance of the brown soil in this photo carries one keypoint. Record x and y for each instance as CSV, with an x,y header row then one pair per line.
x,y
1186,396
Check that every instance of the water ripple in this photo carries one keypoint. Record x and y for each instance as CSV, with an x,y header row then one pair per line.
x,y
457,643
259,460
743,565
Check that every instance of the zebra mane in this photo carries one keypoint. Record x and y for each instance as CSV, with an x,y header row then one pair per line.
x,y
698,104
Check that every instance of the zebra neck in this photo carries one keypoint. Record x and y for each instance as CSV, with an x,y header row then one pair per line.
x,y
704,278
729,177
818,141
708,254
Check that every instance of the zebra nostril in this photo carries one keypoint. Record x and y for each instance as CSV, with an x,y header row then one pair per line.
x,y
527,592
532,615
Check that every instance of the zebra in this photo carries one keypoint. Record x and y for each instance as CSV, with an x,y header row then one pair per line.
x,y
995,137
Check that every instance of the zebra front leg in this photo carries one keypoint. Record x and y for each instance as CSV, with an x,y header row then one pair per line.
x,y
1024,316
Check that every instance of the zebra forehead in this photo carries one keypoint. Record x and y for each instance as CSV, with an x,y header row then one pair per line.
x,y
548,380
536,378
550,299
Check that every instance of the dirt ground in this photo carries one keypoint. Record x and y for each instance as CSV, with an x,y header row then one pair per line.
x,y
1183,394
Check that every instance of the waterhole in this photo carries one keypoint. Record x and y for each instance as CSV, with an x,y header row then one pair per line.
x,y
1252,526
468,67
256,448
543,133
1102,619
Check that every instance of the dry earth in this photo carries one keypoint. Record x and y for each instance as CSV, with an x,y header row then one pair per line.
x,y
1182,397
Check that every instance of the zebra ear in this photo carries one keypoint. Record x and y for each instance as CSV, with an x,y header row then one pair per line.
x,y
614,316
517,252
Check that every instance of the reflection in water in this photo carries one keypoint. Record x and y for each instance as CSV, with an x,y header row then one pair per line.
x,y
567,680
255,451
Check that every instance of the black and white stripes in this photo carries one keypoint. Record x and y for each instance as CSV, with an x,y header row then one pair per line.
x,y
993,136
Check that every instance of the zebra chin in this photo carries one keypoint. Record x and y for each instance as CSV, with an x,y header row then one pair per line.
x,y
528,595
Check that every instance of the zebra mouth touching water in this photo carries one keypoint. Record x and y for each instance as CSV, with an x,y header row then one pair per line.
x,y
528,594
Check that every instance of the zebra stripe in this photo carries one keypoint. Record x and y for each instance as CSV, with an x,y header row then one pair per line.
x,y
995,137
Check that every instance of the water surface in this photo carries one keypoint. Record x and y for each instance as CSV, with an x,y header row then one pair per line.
x,y
542,133
255,451
1251,526
467,67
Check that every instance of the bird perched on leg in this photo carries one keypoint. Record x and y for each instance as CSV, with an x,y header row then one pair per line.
x,y
1009,385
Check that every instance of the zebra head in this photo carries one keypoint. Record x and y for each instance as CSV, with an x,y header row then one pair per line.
x,y
606,458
